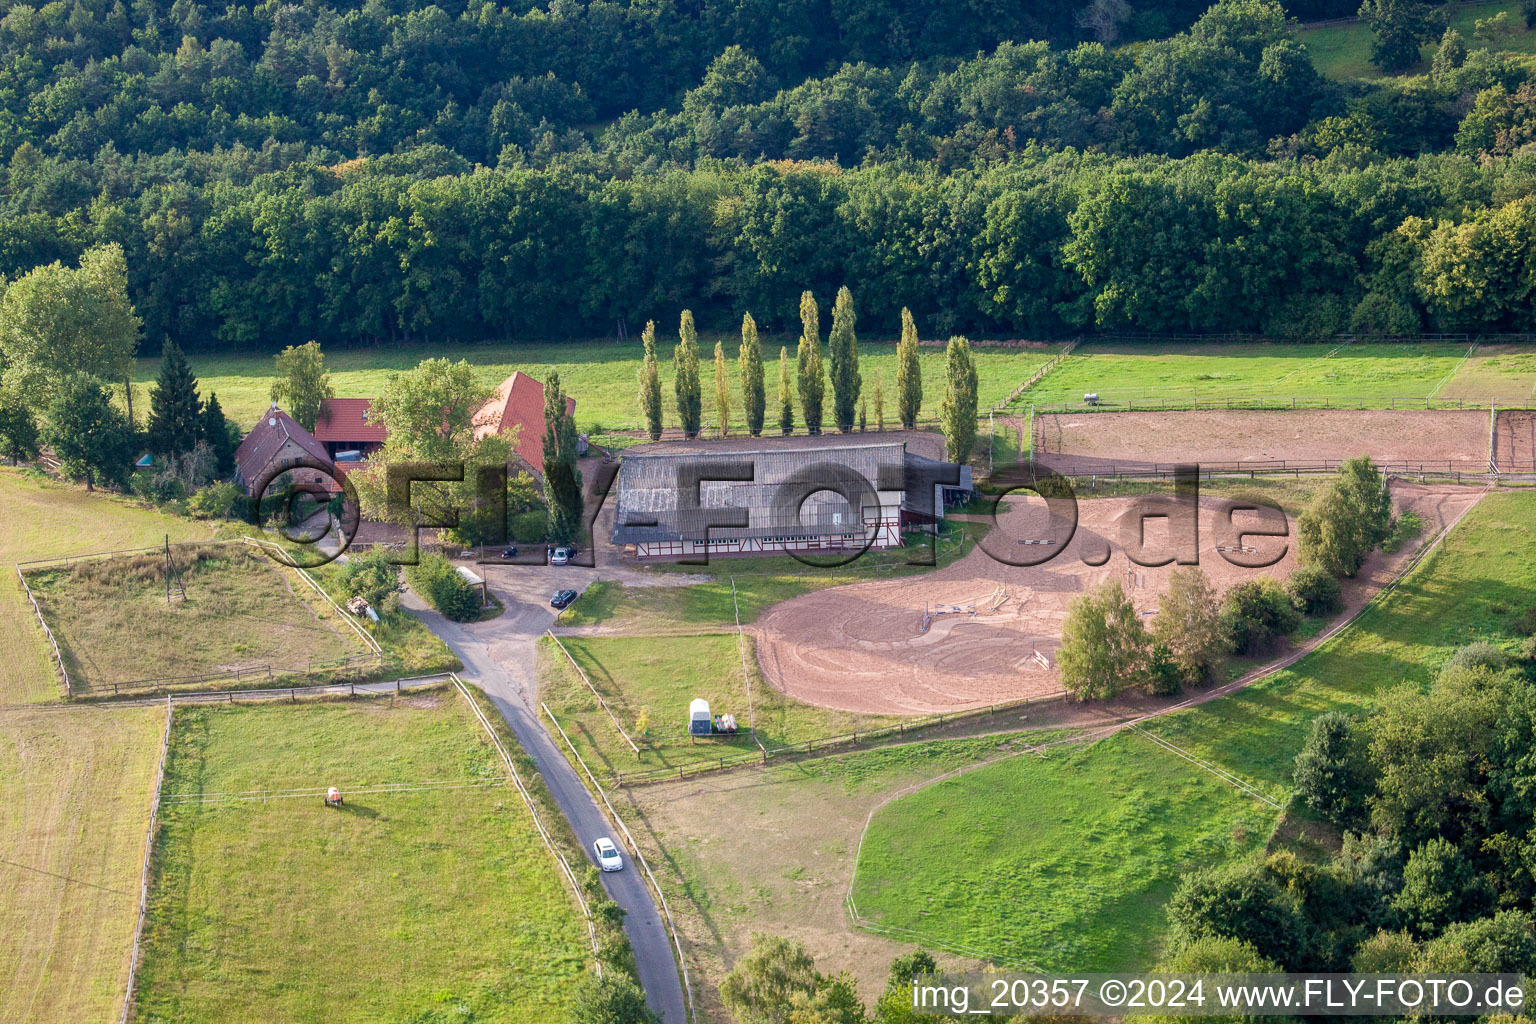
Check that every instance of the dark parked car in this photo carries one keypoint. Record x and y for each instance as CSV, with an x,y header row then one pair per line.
x,y
562,598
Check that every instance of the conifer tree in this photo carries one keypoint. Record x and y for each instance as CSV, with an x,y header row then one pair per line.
x,y
813,382
843,353
685,360
175,410
216,434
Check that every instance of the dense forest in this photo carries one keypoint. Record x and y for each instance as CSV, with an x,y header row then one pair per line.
x,y
386,172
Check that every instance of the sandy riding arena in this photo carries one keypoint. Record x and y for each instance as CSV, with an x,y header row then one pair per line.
x,y
1091,442
979,631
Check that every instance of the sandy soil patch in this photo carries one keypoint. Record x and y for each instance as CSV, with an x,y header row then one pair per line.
x,y
993,629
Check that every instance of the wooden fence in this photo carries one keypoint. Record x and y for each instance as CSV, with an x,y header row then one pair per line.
x,y
158,685
815,745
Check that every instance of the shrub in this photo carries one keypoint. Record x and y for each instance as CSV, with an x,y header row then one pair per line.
x,y
1313,591
1329,773
440,585
1244,902
1164,677
1258,614
214,501
1404,528
1440,887
370,576
1478,654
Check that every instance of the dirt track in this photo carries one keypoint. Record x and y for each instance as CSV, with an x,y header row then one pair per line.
x,y
863,648
1220,437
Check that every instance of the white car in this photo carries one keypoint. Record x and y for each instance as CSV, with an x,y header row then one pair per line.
x,y
608,856
560,557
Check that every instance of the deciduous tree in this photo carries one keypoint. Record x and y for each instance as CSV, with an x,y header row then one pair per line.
x,y
909,373
650,382
301,382
811,376
753,396
843,354
88,434
685,384
957,412
1103,643
57,323
562,480
786,394
1188,623
722,392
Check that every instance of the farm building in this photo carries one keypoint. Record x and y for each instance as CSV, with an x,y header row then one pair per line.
x,y
519,403
344,427
812,494
276,443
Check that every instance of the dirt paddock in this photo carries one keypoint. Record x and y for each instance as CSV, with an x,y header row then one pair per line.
x,y
994,628
1438,436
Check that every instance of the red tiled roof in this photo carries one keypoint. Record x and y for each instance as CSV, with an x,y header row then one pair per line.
x,y
275,429
519,402
346,420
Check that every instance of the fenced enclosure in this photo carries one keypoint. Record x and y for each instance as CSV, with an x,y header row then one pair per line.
x,y
246,620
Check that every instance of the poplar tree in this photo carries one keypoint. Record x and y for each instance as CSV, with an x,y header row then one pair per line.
x,y
562,480
786,394
909,375
957,413
812,381
753,395
879,401
650,383
722,392
843,353
685,359
175,410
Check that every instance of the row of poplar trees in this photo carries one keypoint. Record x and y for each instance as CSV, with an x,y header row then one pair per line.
x,y
809,380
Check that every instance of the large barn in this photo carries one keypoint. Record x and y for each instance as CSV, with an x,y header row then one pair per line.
x,y
811,494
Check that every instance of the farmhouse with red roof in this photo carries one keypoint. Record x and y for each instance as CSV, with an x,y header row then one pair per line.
x,y
344,426
519,402
277,443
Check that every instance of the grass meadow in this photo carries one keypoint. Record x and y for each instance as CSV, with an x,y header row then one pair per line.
x,y
75,790
242,611
660,675
1344,51
772,851
1475,586
45,519
428,906
600,375
1148,373
1062,860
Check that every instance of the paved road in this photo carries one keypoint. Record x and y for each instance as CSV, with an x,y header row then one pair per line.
x,y
499,657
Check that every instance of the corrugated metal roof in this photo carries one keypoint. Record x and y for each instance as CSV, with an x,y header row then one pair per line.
x,y
787,492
